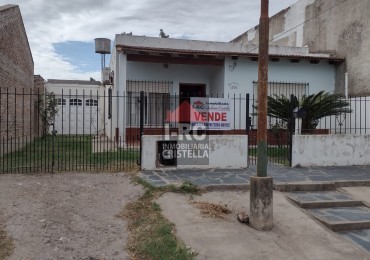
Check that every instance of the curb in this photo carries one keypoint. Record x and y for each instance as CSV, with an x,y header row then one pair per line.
x,y
297,186
227,187
291,187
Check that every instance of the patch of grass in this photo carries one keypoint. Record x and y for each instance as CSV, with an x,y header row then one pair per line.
x,y
153,236
143,182
6,244
66,153
189,187
156,207
186,187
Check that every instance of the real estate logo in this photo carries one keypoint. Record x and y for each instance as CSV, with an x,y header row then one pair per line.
x,y
184,144
186,139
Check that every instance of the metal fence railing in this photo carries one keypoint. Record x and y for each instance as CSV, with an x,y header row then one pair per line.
x,y
354,121
63,131
101,130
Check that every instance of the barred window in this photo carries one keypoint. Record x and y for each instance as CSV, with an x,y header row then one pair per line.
x,y
61,102
91,103
75,102
284,88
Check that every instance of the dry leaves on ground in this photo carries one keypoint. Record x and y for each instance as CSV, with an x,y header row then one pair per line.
x,y
208,209
6,243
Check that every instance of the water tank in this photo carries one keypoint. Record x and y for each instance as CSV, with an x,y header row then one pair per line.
x,y
102,45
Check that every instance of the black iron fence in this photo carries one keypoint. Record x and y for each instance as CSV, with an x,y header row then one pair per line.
x,y
357,121
101,130
63,131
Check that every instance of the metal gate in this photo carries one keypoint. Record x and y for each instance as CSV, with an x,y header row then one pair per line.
x,y
280,132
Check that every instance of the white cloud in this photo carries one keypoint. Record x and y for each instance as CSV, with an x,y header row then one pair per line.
x,y
49,22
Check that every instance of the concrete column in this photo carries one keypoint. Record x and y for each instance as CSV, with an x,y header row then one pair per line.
x,y
298,126
261,203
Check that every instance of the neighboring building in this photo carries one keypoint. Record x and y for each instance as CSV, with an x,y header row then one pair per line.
x,y
81,106
39,84
172,70
17,105
330,26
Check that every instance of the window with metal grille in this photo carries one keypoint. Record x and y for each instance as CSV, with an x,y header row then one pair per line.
x,y
156,102
61,102
75,102
279,89
91,102
284,88
155,107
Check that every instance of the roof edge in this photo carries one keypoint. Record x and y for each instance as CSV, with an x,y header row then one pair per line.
x,y
311,56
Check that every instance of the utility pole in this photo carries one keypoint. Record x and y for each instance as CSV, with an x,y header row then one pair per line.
x,y
261,203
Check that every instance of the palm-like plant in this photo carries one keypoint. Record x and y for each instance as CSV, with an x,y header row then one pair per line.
x,y
316,106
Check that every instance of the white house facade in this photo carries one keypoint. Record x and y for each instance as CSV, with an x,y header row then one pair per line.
x,y
175,70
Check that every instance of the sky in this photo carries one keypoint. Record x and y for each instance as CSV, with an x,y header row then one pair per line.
x,y
61,33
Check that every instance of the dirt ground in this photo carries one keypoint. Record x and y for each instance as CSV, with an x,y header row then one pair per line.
x,y
66,216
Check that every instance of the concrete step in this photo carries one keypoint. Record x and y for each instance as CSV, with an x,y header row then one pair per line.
x,y
359,237
302,186
323,199
343,218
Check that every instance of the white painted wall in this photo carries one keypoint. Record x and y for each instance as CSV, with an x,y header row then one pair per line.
x,y
177,73
229,81
320,76
217,82
331,150
225,151
239,81
78,119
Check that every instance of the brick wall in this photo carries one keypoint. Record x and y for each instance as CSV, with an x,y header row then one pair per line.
x,y
17,104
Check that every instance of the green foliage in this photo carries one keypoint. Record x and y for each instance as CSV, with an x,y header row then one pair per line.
x,y
165,246
143,182
152,235
156,207
317,106
48,108
189,187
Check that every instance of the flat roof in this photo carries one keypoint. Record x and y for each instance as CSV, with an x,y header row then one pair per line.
x,y
195,47
79,82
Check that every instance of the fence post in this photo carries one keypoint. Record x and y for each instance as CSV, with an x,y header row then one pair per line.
x,y
141,101
54,132
291,128
247,121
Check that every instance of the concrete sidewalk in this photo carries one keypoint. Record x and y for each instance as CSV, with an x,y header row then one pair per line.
x,y
295,234
235,178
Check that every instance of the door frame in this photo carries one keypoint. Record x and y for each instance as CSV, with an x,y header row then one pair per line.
x,y
184,116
